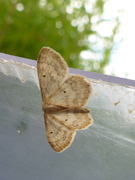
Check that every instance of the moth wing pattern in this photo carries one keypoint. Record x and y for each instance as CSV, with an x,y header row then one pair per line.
x,y
74,93
74,121
59,137
52,71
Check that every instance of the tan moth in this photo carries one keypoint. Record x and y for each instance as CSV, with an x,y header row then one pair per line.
x,y
64,98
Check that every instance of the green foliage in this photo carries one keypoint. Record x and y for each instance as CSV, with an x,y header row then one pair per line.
x,y
66,26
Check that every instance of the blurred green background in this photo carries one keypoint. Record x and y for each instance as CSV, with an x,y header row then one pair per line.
x,y
71,27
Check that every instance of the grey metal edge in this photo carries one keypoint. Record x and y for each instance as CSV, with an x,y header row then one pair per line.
x,y
93,75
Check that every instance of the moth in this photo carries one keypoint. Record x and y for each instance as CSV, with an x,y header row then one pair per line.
x,y
64,98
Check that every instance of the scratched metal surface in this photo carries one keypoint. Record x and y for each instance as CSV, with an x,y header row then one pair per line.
x,y
104,151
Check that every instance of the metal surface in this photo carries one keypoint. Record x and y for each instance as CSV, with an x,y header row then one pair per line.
x,y
105,151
